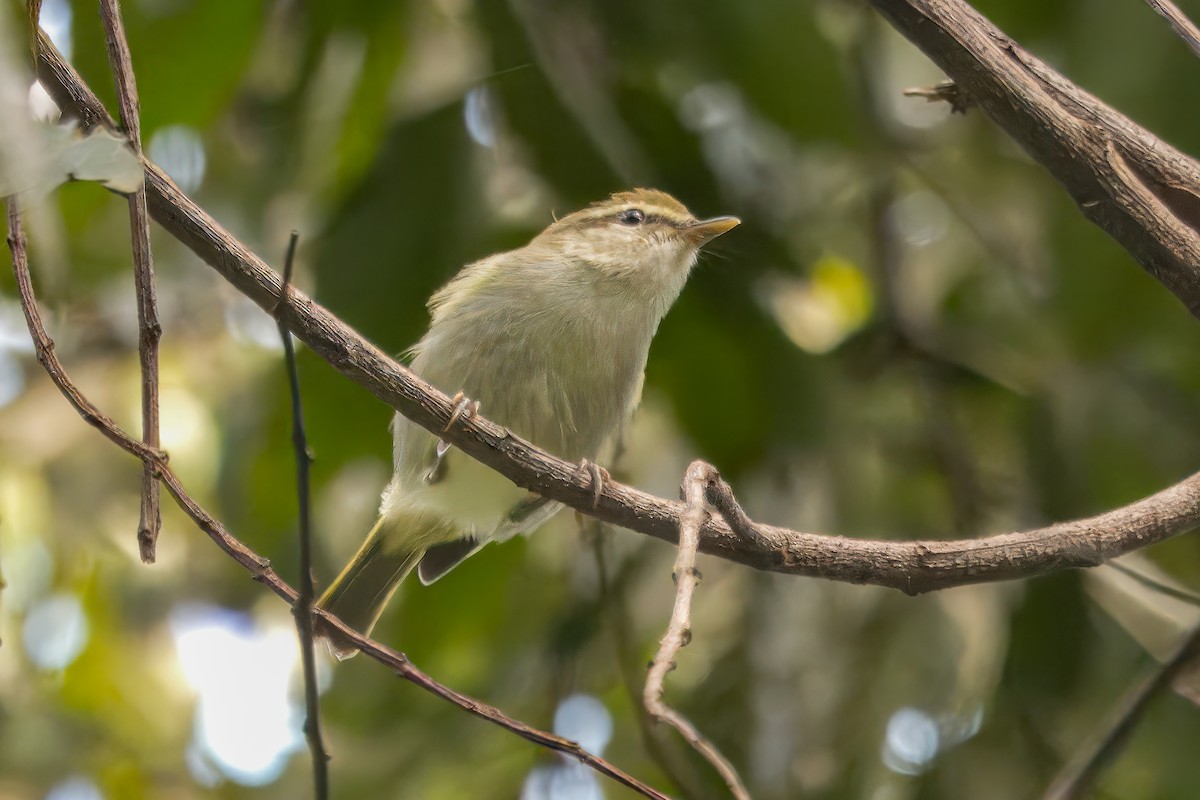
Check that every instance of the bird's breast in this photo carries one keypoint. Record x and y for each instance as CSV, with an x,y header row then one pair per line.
x,y
563,375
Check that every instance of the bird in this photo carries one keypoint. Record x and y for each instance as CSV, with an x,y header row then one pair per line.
x,y
552,339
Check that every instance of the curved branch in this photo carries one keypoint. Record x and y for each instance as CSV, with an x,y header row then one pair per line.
x,y
910,566
1136,187
260,568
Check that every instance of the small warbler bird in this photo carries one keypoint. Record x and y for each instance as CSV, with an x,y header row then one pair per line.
x,y
553,339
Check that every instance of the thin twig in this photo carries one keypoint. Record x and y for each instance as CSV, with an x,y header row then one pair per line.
x,y
943,91
1077,778
720,495
1184,28
912,566
1160,586
302,610
679,629
149,329
612,591
259,567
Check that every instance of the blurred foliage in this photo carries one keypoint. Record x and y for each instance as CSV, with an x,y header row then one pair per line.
x,y
914,333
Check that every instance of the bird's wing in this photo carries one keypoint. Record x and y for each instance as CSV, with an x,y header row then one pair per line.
x,y
524,517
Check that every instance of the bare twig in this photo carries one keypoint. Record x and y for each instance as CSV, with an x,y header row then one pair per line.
x,y
259,567
943,92
679,629
150,331
1077,777
720,495
1184,28
612,590
304,600
1129,182
1160,586
911,566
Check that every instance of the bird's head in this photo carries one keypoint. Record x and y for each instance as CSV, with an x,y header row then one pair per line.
x,y
644,236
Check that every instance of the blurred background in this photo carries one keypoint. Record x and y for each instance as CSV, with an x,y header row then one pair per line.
x,y
913,334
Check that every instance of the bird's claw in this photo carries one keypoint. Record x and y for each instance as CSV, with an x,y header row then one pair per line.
x,y
463,406
599,476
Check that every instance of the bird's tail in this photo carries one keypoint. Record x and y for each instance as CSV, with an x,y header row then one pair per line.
x,y
358,595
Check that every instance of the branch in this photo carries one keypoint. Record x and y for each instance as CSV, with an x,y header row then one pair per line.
x,y
1184,595
1140,190
1184,28
303,608
679,630
612,590
911,566
259,567
1077,778
150,331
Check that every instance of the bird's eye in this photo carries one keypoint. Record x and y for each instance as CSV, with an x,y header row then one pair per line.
x,y
631,216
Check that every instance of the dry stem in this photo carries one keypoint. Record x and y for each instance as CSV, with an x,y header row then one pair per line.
x,y
304,601
150,331
1077,778
1184,28
679,629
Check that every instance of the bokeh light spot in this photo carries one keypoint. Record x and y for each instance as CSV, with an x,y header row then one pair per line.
x,y
562,782
56,631
74,788
921,217
55,20
12,378
819,313
911,742
478,116
179,150
584,719
41,105
247,725
249,324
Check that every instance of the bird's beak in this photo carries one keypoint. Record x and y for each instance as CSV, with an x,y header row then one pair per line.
x,y
706,230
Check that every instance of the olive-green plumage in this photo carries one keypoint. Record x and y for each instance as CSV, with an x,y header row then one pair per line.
x,y
552,340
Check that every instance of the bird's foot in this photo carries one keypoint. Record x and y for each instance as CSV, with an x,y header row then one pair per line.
x,y
599,476
463,406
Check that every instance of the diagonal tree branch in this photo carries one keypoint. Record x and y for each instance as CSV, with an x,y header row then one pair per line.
x,y
1137,188
260,568
1078,777
1184,28
911,566
150,331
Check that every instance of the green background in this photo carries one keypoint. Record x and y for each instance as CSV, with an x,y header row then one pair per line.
x,y
914,333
